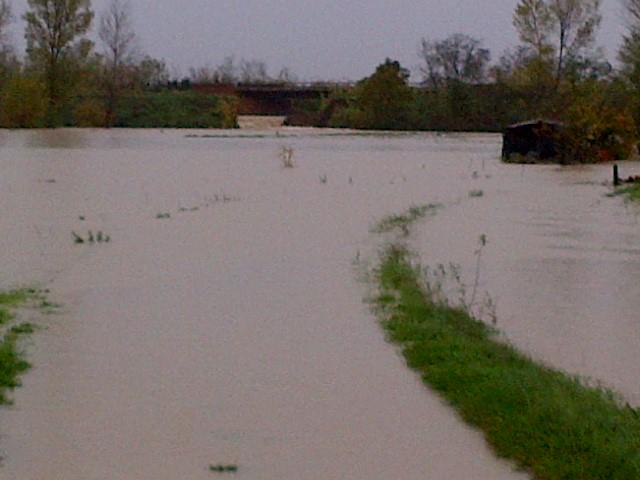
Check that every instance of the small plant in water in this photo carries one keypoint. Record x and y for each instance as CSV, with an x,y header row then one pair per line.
x,y
286,156
476,193
323,179
162,216
220,468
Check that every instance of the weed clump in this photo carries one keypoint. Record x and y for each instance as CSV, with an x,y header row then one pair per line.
x,y
286,157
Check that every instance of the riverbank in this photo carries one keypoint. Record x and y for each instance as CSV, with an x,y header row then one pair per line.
x,y
551,424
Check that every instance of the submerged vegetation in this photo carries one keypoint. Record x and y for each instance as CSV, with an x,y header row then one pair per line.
x,y
99,237
634,192
220,468
551,424
402,222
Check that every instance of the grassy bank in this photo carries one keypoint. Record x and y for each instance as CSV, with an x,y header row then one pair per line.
x,y
548,422
12,362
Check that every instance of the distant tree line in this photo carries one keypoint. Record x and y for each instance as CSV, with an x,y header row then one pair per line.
x,y
66,80
556,72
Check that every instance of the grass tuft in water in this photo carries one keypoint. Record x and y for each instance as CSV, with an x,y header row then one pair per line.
x,y
99,237
476,193
548,422
286,157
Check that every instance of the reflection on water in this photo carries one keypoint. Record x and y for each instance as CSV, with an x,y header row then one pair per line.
x,y
234,332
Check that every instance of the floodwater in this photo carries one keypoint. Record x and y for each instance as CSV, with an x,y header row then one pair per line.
x,y
234,332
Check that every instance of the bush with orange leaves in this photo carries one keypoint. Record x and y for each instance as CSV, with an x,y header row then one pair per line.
x,y
596,131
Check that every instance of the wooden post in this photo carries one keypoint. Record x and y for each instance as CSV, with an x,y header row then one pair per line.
x,y
616,176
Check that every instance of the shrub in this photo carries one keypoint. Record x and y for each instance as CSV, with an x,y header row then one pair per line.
x,y
24,103
595,130
89,113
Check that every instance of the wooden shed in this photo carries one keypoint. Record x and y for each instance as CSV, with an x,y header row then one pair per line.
x,y
531,141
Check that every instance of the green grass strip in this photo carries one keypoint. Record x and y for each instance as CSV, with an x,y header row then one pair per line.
x,y
12,362
551,424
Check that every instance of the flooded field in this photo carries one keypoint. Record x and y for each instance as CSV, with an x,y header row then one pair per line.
x,y
224,323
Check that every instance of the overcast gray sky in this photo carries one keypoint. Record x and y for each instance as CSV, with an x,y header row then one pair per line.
x,y
320,39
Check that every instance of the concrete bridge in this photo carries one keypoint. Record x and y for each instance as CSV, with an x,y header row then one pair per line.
x,y
270,98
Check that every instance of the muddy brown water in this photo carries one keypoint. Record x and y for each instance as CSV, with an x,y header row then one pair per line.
x,y
234,332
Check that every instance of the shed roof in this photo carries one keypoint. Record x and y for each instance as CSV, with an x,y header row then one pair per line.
x,y
529,123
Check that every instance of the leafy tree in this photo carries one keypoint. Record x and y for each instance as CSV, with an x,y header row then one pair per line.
x,y
152,72
629,54
458,58
533,21
54,34
384,100
558,31
596,129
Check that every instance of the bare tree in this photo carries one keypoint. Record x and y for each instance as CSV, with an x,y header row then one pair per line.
x,y
52,33
118,38
253,71
203,75
456,58
287,76
227,71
